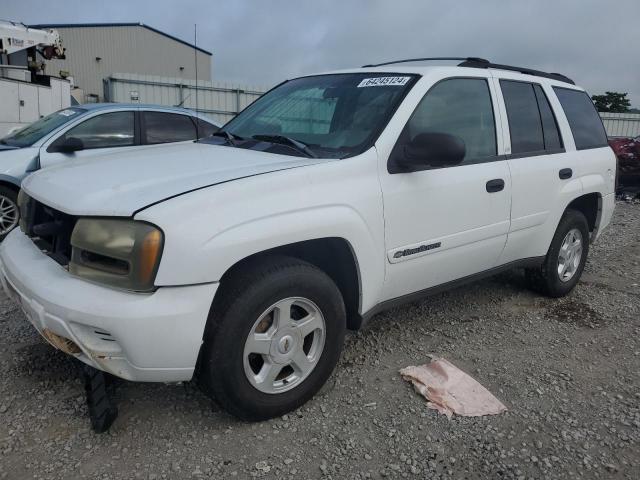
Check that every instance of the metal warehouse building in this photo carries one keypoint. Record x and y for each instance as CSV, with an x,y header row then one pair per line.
x,y
97,50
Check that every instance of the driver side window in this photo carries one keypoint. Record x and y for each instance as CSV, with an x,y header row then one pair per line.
x,y
104,131
460,107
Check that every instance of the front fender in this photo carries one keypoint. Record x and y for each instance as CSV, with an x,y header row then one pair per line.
x,y
209,231
240,241
11,180
335,221
14,164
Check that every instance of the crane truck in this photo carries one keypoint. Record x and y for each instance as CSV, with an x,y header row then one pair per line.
x,y
26,93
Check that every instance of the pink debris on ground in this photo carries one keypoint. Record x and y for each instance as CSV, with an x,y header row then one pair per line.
x,y
449,390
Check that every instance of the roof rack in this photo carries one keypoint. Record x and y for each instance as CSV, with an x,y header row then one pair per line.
x,y
407,60
476,62
481,63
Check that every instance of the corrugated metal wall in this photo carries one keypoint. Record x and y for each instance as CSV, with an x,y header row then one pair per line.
x,y
133,49
220,101
621,124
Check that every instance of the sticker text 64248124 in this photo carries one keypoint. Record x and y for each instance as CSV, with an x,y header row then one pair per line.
x,y
383,82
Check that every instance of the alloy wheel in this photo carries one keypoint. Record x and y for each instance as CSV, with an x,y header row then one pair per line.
x,y
570,255
284,345
8,215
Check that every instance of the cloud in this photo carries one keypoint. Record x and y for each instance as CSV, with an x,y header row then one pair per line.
x,y
264,42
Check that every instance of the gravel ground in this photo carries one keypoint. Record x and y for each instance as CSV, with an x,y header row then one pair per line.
x,y
568,371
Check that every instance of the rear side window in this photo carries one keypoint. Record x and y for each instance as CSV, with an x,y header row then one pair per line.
x,y
525,125
460,107
586,125
205,129
552,139
168,127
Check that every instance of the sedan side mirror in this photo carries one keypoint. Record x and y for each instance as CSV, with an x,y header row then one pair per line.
x,y
69,145
432,150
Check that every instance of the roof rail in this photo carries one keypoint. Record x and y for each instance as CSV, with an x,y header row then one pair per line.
x,y
476,62
407,60
480,63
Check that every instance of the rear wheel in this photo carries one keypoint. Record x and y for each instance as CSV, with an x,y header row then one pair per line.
x,y
9,214
565,259
274,336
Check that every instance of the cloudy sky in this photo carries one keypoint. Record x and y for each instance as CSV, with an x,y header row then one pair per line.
x,y
261,42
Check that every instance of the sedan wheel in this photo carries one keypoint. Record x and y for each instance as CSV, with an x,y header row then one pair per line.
x,y
8,214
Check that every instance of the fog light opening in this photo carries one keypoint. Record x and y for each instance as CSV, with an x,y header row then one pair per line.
x,y
61,343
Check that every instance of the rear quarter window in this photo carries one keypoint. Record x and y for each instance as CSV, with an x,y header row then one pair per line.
x,y
586,125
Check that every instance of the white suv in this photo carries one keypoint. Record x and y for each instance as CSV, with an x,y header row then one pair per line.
x,y
242,259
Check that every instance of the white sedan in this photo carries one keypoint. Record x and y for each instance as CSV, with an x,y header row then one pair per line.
x,y
87,131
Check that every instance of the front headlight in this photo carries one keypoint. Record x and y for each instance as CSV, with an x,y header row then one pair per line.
x,y
116,252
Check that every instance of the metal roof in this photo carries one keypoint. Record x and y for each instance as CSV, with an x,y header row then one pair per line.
x,y
147,106
139,24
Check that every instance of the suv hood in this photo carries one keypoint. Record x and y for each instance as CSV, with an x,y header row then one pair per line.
x,y
120,184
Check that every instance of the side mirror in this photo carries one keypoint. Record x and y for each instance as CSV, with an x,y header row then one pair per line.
x,y
69,145
432,150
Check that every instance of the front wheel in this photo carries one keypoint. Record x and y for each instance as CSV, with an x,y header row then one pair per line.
x,y
274,336
9,214
565,259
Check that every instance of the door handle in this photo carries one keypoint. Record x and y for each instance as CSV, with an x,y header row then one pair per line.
x,y
565,173
495,185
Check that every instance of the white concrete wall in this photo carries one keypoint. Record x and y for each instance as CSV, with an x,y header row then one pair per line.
x,y
23,103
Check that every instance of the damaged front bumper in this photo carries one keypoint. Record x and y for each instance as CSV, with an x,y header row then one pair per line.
x,y
153,337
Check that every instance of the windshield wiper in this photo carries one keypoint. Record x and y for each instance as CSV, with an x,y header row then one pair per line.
x,y
10,145
291,142
231,138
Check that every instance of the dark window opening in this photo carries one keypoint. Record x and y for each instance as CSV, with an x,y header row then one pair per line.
x,y
106,130
525,124
586,125
160,127
552,138
205,129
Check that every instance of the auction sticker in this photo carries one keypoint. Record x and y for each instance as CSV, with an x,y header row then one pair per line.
x,y
384,82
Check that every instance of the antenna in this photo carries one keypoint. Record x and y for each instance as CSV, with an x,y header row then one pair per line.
x,y
195,59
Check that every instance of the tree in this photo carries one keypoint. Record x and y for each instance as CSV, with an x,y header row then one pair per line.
x,y
612,102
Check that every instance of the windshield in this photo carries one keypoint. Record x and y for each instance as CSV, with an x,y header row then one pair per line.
x,y
333,116
30,134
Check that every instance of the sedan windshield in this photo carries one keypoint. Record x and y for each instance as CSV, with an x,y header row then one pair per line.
x,y
30,134
331,116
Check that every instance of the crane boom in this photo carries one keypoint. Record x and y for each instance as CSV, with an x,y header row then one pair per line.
x,y
15,37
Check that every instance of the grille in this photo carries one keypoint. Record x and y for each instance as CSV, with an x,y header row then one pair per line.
x,y
48,228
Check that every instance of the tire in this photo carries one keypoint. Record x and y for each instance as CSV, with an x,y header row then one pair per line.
x,y
9,214
549,279
231,375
